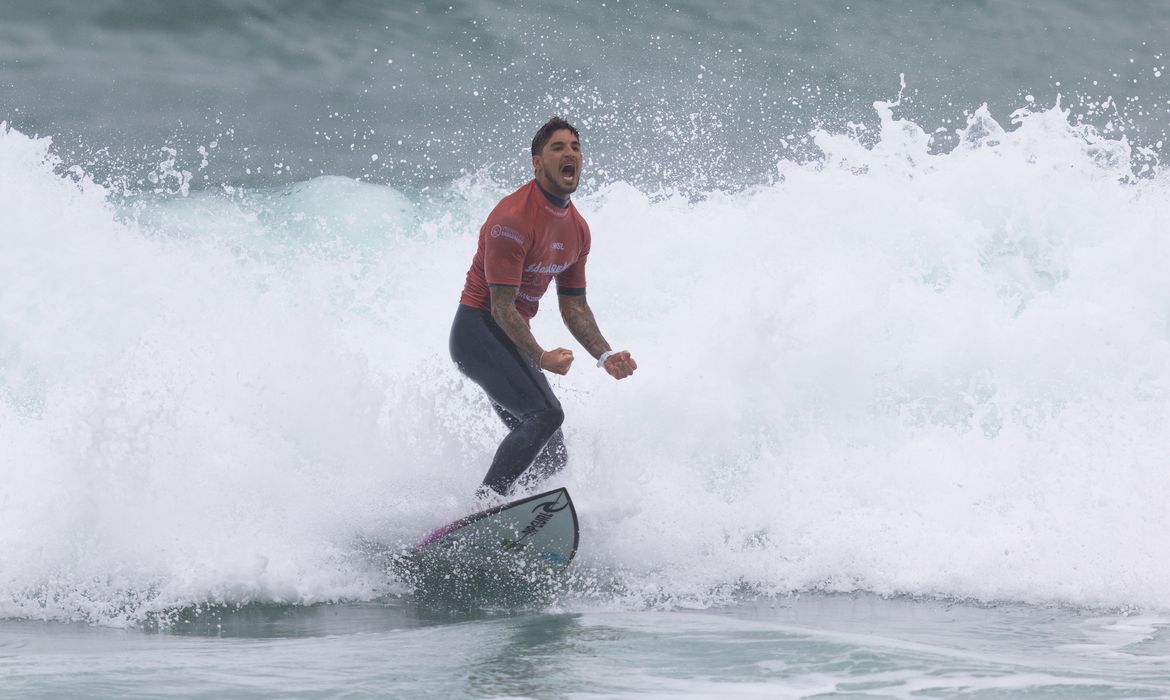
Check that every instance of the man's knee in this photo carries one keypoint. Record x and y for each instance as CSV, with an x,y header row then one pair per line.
x,y
546,421
542,424
556,416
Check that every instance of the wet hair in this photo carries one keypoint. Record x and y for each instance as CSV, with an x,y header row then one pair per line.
x,y
545,133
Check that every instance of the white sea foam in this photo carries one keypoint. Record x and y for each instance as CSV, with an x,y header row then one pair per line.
x,y
891,370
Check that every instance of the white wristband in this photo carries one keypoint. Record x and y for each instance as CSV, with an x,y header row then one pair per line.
x,y
604,356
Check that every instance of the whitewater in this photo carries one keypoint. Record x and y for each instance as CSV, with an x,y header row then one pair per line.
x,y
888,368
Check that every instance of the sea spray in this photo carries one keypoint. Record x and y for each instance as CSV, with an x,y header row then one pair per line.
x,y
899,371
892,369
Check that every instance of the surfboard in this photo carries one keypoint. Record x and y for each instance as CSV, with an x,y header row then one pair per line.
x,y
512,554
535,533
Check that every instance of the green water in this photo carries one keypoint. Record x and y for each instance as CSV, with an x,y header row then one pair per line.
x,y
804,646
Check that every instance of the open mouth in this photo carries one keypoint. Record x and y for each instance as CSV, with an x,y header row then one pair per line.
x,y
568,171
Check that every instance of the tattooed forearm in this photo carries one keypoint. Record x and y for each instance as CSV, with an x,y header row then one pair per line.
x,y
505,314
580,322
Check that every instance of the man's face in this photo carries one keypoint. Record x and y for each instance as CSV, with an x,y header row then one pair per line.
x,y
558,167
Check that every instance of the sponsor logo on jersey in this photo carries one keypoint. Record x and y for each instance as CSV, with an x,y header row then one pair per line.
x,y
550,269
498,231
557,245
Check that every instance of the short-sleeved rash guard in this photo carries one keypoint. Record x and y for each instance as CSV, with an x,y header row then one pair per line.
x,y
526,242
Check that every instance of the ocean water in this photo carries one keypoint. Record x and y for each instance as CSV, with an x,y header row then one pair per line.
x,y
894,275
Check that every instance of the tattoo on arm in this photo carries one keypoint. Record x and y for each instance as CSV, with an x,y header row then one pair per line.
x,y
579,320
505,314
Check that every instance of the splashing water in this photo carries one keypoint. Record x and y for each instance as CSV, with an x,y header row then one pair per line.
x,y
892,369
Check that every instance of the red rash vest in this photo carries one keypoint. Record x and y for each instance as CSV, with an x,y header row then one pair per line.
x,y
526,242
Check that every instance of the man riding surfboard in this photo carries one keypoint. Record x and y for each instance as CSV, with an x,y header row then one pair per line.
x,y
533,236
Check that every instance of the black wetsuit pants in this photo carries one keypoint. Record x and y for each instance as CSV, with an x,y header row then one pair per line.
x,y
520,395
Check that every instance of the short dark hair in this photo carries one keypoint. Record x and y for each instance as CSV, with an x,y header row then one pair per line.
x,y
545,133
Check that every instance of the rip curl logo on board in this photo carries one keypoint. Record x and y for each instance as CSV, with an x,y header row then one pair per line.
x,y
497,231
547,511
551,506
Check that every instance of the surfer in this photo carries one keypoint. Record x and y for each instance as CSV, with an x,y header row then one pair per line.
x,y
533,236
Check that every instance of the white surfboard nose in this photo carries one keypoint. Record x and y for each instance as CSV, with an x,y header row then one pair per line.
x,y
540,529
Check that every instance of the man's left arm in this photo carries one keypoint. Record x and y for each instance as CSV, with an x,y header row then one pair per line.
x,y
579,320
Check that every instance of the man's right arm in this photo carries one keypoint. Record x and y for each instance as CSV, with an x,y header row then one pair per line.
x,y
507,317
